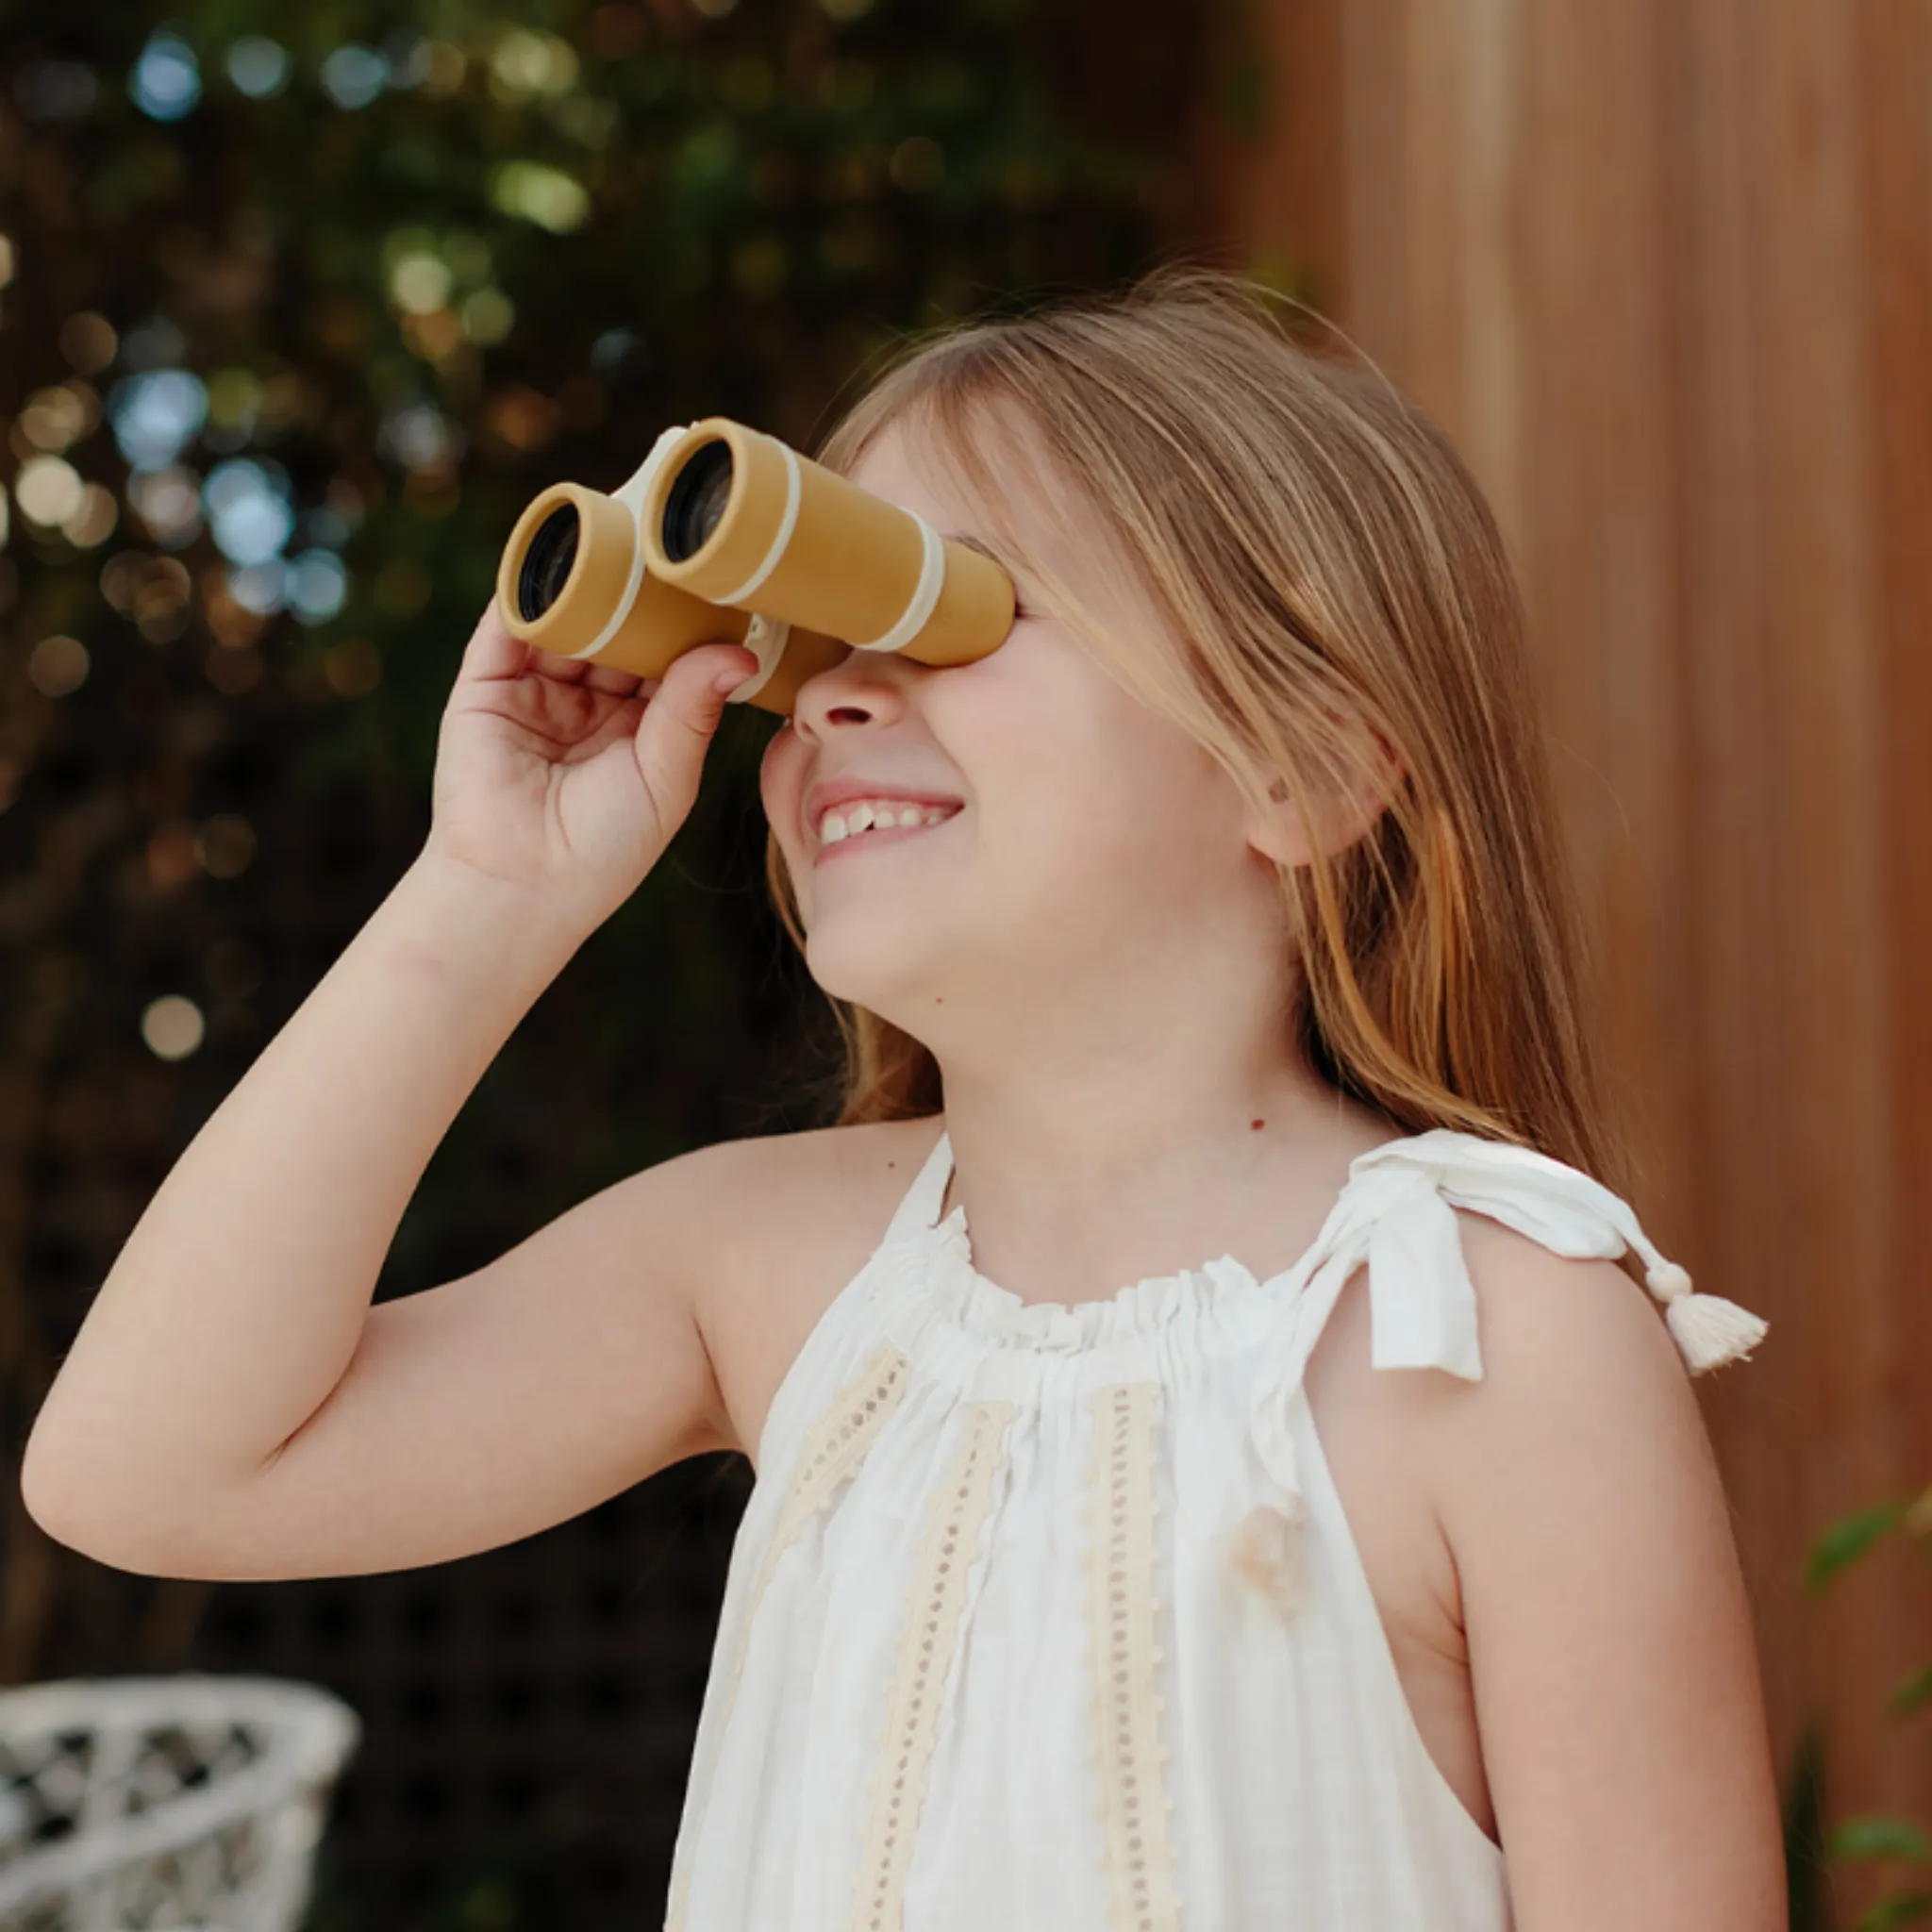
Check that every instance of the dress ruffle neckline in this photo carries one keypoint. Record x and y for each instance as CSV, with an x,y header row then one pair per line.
x,y
985,1308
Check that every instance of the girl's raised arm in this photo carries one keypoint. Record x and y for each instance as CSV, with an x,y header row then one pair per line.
x,y
232,1405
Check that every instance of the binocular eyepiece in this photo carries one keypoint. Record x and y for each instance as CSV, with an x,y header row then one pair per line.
x,y
727,533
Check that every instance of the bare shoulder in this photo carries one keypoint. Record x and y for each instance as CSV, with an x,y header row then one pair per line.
x,y
1609,1630
1574,1352
1556,1332
782,1222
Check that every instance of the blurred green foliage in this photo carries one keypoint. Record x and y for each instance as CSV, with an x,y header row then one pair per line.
x,y
298,308
440,254
1891,1840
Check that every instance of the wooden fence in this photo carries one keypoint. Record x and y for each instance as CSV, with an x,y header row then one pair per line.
x,y
1664,271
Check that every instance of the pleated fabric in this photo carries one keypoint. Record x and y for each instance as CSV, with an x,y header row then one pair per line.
x,y
1047,1617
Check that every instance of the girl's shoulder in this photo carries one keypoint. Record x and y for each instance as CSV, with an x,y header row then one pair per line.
x,y
786,1221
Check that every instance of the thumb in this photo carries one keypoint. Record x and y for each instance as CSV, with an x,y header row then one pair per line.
x,y
680,718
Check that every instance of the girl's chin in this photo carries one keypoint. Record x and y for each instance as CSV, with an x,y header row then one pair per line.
x,y
869,961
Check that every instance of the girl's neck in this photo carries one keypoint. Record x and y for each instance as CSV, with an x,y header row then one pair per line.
x,y
1072,1208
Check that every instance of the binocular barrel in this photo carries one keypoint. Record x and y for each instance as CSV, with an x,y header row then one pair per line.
x,y
727,533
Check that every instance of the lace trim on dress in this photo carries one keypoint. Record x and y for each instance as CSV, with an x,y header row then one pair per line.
x,y
830,1452
833,1447
954,1521
1124,1660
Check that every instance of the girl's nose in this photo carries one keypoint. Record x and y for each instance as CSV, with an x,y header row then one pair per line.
x,y
863,687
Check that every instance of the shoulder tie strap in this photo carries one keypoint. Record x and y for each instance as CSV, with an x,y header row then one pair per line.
x,y
1571,1214
1397,1213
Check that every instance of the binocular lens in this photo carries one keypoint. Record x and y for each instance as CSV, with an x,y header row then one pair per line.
x,y
696,501
548,562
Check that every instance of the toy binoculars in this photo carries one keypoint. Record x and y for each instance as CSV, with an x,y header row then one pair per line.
x,y
724,533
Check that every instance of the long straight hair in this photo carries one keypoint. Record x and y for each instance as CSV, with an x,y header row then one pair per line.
x,y
1320,561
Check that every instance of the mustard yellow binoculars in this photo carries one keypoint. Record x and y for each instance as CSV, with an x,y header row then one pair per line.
x,y
727,533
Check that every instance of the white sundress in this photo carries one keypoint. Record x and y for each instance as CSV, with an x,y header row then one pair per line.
x,y
1046,1618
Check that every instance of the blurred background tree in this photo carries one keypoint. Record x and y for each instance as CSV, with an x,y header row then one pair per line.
x,y
298,308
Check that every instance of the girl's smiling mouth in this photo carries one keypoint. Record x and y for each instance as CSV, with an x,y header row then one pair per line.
x,y
861,826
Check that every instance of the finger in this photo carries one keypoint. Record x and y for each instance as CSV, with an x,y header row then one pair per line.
x,y
587,671
492,652
677,724
557,669
608,678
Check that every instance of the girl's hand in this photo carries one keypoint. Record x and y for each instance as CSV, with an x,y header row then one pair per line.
x,y
567,780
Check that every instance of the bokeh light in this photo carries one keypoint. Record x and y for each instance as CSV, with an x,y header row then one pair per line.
x,y
316,585
155,414
166,81
353,76
527,63
547,196
235,399
419,435
487,316
260,588
247,505
94,520
226,845
259,66
51,419
88,341
57,665
49,489
411,59
419,284
173,1027
169,503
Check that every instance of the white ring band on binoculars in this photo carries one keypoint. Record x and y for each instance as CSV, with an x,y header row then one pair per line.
x,y
632,496
621,609
794,485
932,576
766,640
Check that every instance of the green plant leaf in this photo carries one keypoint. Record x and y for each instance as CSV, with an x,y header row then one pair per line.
x,y
1894,1912
1915,1690
1878,1837
1846,1541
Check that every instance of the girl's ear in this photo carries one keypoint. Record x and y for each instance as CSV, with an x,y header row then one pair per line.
x,y
1344,813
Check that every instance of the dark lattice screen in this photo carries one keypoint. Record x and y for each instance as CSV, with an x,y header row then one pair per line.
x,y
529,1711
199,808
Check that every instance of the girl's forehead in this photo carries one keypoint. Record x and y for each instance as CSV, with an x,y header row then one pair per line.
x,y
918,469
907,468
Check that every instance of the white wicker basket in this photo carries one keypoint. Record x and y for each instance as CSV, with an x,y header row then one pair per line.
x,y
189,1802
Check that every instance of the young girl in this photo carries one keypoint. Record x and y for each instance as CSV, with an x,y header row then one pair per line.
x,y
1211,937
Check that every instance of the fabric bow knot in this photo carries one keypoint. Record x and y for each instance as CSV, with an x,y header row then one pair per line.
x,y
1397,1212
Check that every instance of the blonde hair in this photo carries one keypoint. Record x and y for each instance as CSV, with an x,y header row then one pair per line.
x,y
1319,561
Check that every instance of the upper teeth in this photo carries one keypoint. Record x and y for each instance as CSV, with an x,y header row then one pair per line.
x,y
862,814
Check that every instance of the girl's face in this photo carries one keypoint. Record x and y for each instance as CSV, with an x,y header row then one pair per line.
x,y
1096,846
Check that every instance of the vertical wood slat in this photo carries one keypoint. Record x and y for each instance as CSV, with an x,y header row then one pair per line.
x,y
1664,273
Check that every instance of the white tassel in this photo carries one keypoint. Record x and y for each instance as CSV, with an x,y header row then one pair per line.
x,y
1265,1549
1708,1330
